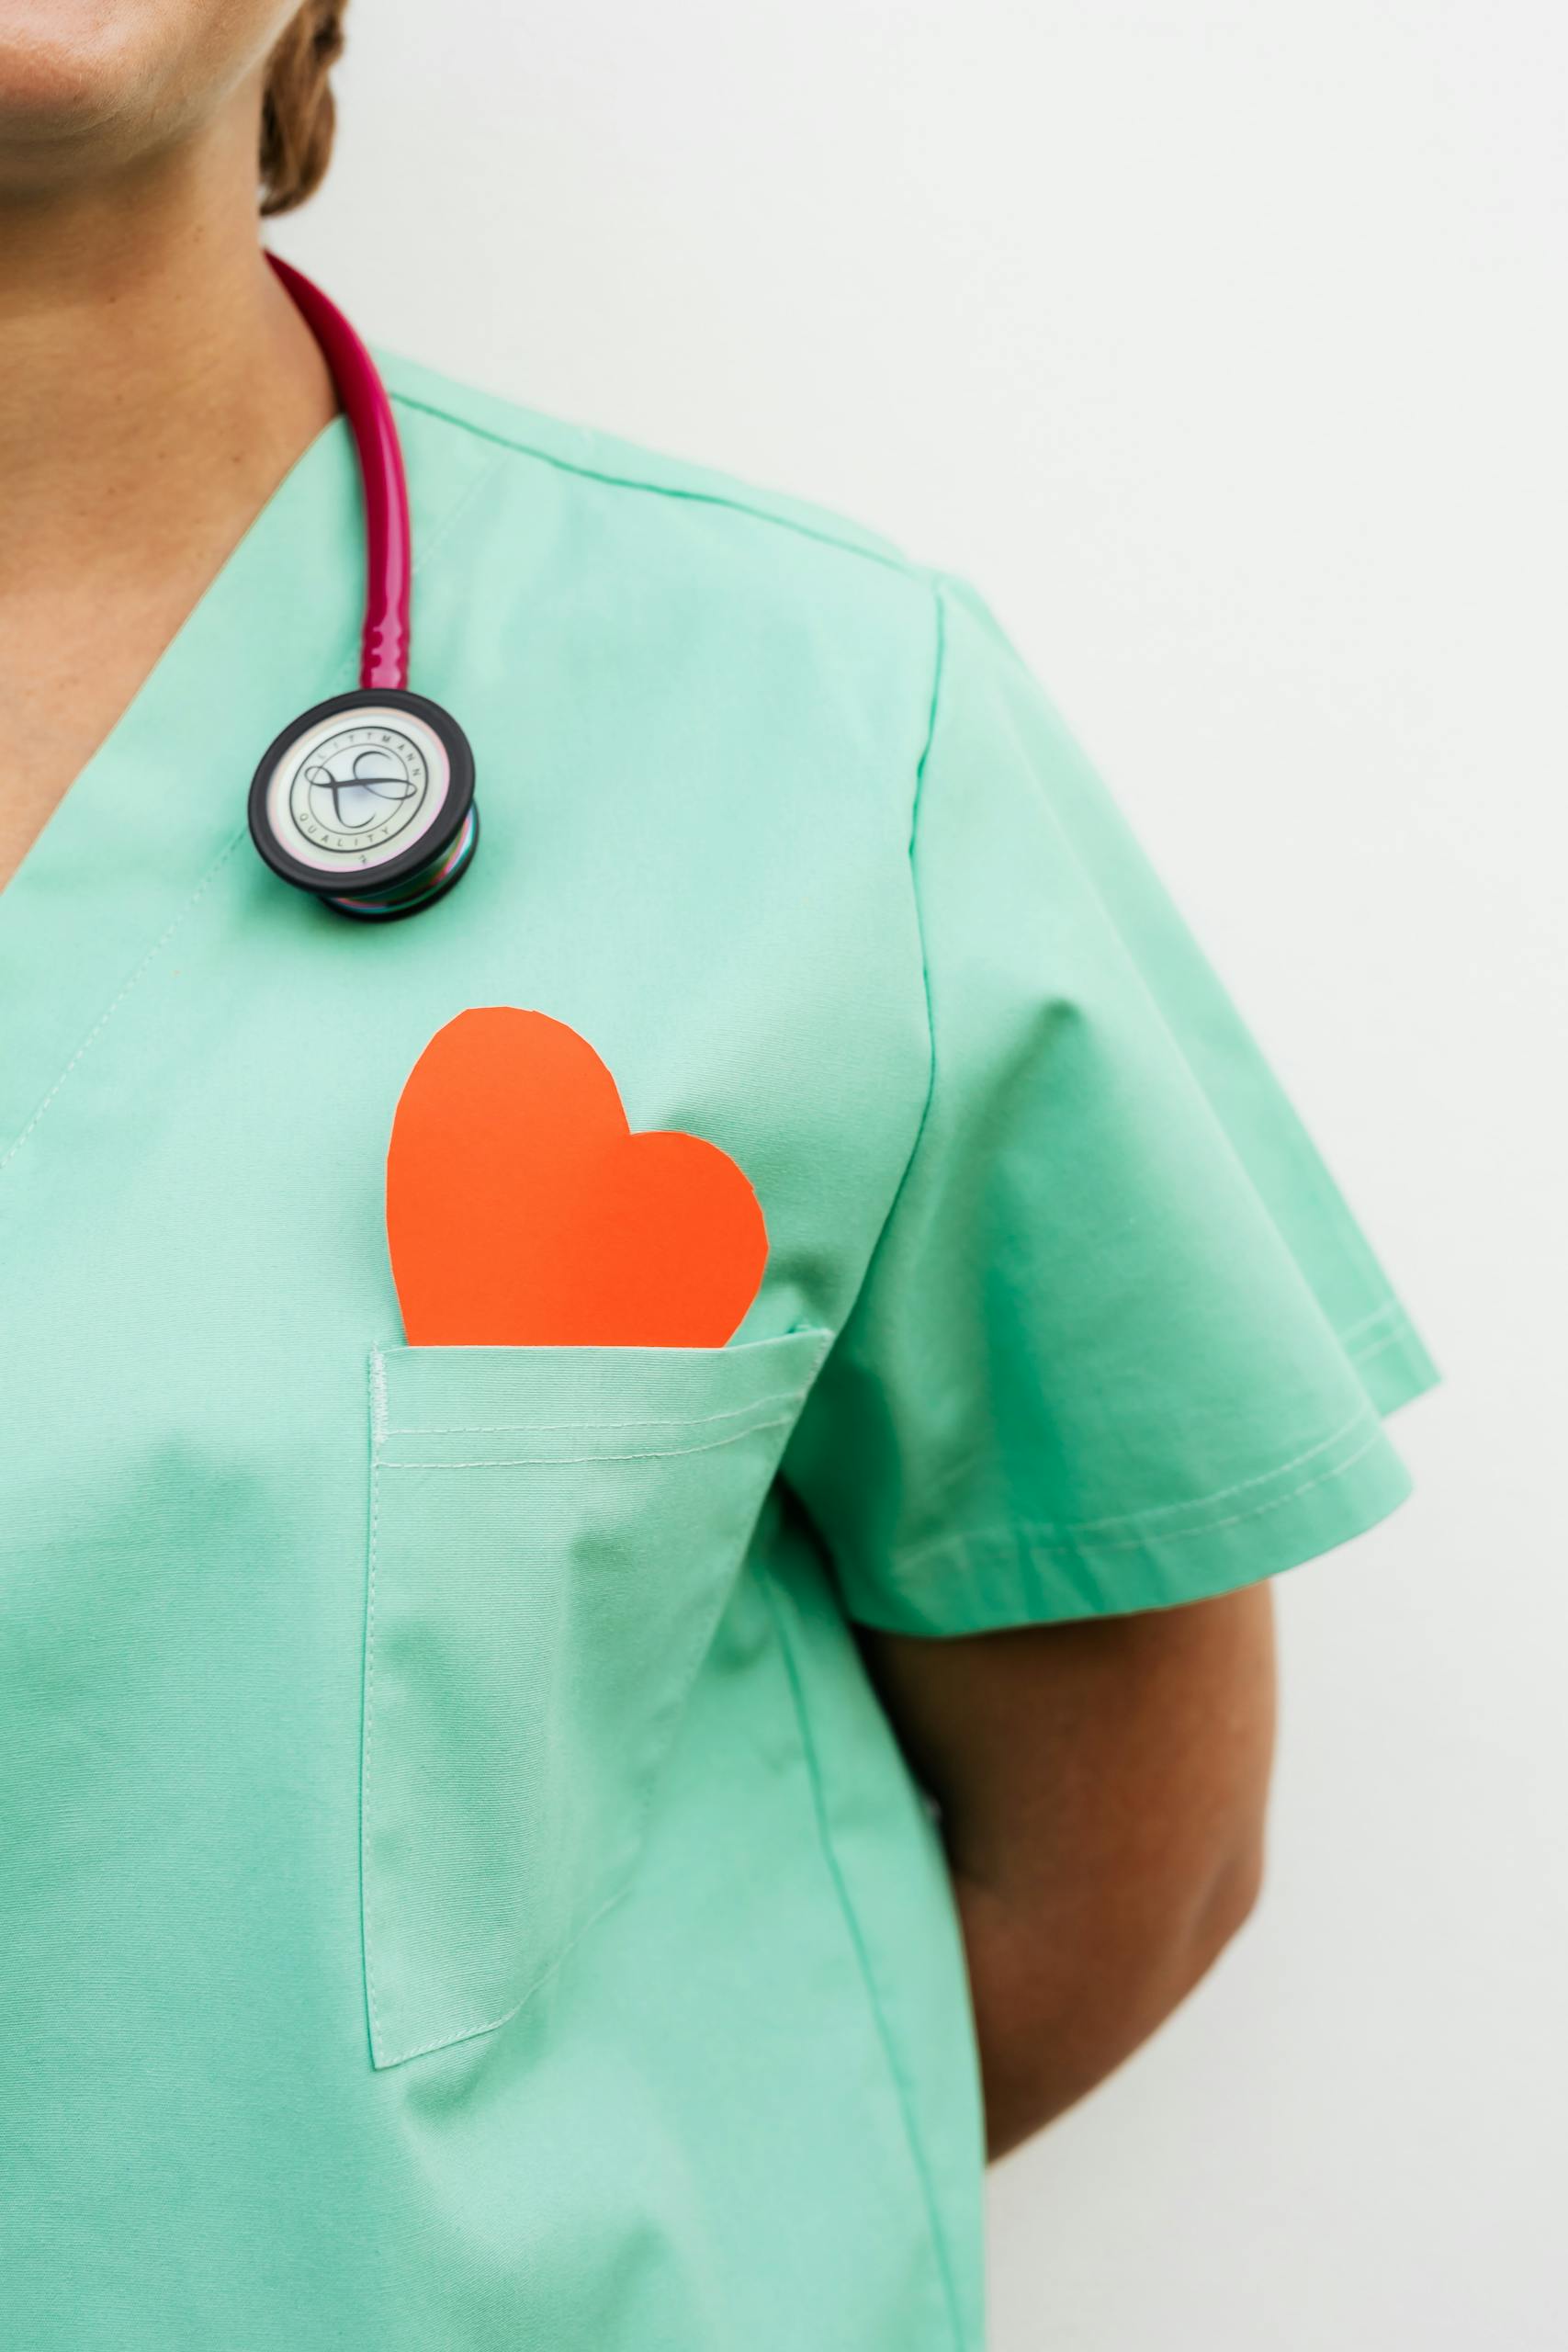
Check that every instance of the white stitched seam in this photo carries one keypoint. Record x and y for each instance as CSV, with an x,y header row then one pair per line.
x,y
690,1660
113,1007
647,1454
1067,1538
1368,1322
437,535
1395,1338
511,444
365,1764
467,2032
882,2028
1052,1540
660,1421
1077,1528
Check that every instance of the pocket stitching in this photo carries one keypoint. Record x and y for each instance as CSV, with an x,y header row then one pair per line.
x,y
615,1421
472,2032
380,1430
545,1461
365,1936
691,1659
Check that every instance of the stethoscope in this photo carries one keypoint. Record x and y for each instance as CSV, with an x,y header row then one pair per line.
x,y
366,800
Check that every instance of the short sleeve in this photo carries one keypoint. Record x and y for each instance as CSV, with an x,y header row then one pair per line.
x,y
1121,1344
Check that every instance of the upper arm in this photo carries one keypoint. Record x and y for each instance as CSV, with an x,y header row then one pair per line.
x,y
1127,1756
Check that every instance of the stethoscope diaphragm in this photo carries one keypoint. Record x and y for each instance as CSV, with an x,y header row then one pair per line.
x,y
366,801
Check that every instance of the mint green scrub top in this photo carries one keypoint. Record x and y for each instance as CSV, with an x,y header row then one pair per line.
x,y
458,1892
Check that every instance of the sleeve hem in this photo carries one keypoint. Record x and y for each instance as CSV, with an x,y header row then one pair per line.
x,y
987,1580
1390,1357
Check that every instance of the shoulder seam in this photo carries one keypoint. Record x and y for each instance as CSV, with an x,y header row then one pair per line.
x,y
939,672
738,505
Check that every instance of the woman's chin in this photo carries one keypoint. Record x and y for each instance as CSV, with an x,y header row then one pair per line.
x,y
71,68
98,82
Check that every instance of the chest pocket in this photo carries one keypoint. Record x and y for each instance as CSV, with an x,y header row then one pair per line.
x,y
553,1535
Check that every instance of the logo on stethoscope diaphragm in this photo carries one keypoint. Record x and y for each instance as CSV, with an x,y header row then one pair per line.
x,y
359,789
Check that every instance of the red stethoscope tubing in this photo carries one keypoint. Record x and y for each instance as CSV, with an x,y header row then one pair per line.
x,y
389,563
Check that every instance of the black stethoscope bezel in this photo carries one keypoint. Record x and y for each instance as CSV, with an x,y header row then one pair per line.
x,y
370,882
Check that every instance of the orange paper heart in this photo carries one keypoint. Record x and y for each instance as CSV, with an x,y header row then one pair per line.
x,y
522,1212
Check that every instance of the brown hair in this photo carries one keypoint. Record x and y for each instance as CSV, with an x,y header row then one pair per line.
x,y
298,114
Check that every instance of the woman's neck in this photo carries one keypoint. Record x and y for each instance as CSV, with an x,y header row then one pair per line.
x,y
157,384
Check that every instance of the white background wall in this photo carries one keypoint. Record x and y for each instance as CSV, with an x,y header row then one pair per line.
x,y
1223,342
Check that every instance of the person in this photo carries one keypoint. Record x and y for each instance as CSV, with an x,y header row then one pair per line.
x,y
579,1844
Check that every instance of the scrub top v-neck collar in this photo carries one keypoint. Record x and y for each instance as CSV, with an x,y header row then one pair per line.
x,y
160,806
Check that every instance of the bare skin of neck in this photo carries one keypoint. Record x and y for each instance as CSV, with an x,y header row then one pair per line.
x,y
157,384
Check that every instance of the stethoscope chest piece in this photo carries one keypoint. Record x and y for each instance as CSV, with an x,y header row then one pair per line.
x,y
366,801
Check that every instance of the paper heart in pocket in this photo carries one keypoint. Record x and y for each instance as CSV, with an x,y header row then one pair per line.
x,y
522,1211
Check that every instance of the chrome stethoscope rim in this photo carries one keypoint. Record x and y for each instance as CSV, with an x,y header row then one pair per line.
x,y
430,857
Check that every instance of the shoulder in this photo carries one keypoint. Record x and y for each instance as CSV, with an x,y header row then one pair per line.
x,y
618,465
691,517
